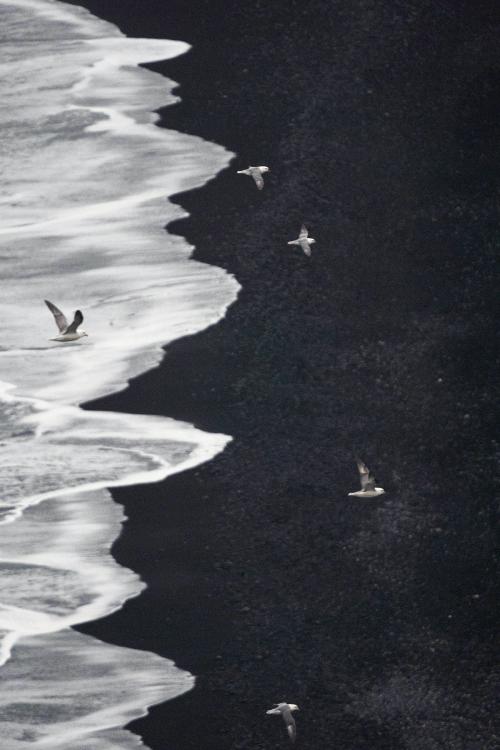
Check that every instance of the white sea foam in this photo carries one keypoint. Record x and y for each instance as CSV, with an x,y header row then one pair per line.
x,y
85,175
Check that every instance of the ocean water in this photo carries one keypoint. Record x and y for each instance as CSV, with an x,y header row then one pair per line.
x,y
84,186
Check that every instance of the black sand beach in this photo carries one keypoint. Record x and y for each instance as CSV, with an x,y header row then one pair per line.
x,y
380,122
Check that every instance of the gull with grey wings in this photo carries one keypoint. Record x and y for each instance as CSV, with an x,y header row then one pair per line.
x,y
67,331
285,711
256,173
368,488
303,241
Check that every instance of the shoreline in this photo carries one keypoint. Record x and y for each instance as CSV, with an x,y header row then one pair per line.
x,y
263,580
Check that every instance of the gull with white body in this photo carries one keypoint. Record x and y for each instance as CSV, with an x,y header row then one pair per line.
x,y
256,173
285,711
303,241
368,488
67,331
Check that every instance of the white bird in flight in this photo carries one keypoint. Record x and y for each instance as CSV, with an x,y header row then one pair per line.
x,y
67,331
285,711
256,173
367,480
303,241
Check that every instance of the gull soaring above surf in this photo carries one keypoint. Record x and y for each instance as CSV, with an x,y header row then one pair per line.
x,y
67,331
303,241
256,173
368,488
285,711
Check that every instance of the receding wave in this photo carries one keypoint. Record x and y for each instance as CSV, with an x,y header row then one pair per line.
x,y
85,179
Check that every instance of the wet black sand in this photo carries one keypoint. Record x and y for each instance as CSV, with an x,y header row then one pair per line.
x,y
381,124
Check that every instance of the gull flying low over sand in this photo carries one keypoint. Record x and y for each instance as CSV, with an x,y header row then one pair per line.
x,y
303,240
285,711
256,173
67,331
367,480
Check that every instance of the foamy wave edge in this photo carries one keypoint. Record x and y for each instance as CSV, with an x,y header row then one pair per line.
x,y
54,416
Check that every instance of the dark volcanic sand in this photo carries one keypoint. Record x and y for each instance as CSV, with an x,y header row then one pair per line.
x,y
380,121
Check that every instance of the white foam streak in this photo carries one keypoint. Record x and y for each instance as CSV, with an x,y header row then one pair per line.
x,y
79,714
121,434
85,175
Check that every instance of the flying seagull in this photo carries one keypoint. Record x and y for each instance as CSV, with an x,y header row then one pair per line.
x,y
285,711
256,173
367,480
303,240
67,332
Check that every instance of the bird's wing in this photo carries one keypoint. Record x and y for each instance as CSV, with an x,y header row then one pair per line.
x,y
259,180
77,321
59,316
244,171
290,724
303,232
366,478
293,242
305,247
274,710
